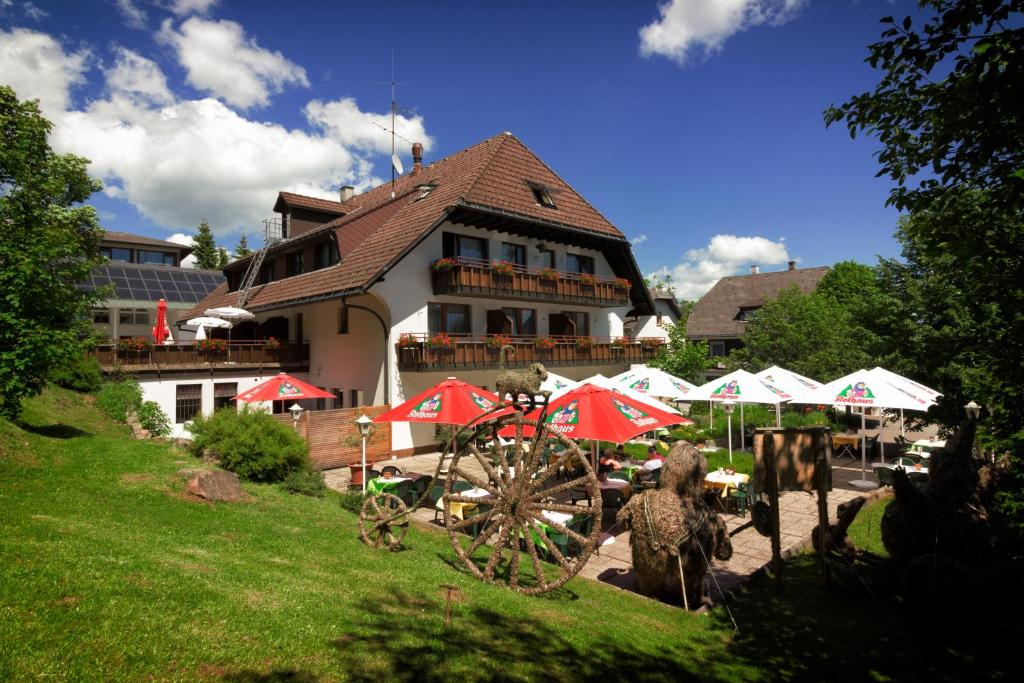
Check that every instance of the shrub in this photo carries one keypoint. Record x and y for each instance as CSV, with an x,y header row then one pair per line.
x,y
82,375
250,443
305,482
116,399
154,419
352,501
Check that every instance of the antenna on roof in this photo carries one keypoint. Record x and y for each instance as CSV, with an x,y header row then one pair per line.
x,y
396,163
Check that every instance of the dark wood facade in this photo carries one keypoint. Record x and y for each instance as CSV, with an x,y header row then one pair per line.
x,y
188,356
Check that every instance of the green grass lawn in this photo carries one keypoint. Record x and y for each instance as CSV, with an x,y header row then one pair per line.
x,y
108,573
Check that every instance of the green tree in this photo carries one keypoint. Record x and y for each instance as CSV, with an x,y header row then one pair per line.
x,y
205,249
222,258
811,334
685,358
662,282
242,250
49,243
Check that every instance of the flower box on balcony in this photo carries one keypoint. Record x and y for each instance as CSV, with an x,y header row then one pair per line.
x,y
441,342
496,341
136,344
212,346
442,265
544,344
548,276
651,343
505,268
407,341
588,280
584,343
271,344
623,283
620,343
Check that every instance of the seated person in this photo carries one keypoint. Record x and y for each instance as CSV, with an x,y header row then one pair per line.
x,y
620,453
654,459
388,473
607,463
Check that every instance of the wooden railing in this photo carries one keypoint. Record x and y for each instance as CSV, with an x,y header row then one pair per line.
x,y
417,354
462,276
190,354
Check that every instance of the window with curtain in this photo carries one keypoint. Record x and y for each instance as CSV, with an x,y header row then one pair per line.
x,y
582,321
513,253
577,263
450,318
524,321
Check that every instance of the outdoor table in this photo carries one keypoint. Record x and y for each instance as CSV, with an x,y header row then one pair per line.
x,y
562,518
890,466
616,485
458,509
382,485
631,469
726,482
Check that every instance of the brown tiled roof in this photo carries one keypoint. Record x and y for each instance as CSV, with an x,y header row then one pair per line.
x,y
131,238
493,173
314,203
715,314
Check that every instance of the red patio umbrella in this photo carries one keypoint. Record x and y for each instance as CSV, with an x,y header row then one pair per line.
x,y
593,412
282,387
451,402
161,330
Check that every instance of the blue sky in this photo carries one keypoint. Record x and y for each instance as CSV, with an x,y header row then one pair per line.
x,y
701,138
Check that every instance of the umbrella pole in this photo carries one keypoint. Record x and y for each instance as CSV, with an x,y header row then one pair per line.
x,y
778,414
711,415
743,423
881,435
903,431
863,448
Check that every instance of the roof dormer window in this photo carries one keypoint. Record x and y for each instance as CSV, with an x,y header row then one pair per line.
x,y
424,191
543,195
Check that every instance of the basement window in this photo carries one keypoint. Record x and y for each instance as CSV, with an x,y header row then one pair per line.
x,y
543,196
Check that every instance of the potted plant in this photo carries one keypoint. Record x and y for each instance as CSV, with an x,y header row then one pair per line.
x,y
584,343
587,279
271,344
548,275
496,341
407,341
544,343
620,343
443,265
503,268
441,341
623,283
212,345
651,343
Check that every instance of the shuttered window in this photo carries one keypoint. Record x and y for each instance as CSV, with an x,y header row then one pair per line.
x,y
224,394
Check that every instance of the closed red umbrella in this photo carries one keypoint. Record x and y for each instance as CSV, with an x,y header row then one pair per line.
x,y
160,331
282,387
592,412
451,402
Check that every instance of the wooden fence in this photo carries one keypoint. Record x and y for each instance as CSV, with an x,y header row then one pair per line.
x,y
334,439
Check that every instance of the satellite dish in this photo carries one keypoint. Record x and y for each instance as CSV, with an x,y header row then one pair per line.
x,y
397,164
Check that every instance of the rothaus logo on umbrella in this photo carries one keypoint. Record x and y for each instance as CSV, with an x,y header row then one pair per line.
x,y
859,393
428,408
565,419
481,402
642,385
634,415
287,389
727,390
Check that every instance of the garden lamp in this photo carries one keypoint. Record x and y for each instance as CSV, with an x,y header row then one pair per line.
x,y
973,410
296,411
728,407
363,422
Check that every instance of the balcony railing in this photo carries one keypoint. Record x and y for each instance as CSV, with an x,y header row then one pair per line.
x,y
462,276
185,355
427,353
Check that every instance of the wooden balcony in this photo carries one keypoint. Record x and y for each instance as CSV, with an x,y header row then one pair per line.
x,y
473,277
237,355
416,354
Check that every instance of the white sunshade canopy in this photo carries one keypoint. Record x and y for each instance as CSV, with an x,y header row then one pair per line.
x,y
206,321
866,389
600,380
655,382
230,313
739,386
786,381
556,383
915,388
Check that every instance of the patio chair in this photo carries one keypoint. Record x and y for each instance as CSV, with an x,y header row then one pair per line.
x,y
740,495
435,495
578,493
583,524
870,446
405,492
884,476
649,479
612,498
904,460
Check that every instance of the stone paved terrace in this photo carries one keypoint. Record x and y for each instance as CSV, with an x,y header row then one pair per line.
x,y
613,563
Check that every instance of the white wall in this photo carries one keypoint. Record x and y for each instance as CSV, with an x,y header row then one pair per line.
x,y
655,325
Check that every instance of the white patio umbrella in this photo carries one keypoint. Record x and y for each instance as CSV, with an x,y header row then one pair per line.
x,y
556,383
231,314
867,389
608,383
788,383
202,322
742,387
655,382
929,395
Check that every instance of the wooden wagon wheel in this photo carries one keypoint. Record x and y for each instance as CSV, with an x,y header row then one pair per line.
x,y
383,521
510,516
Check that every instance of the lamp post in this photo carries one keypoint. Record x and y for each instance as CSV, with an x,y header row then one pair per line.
x,y
363,422
973,411
296,411
728,407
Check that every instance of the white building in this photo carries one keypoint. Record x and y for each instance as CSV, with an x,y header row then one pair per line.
x,y
485,247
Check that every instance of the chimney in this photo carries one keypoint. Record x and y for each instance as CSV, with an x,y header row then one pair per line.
x,y
417,157
754,270
792,265
346,193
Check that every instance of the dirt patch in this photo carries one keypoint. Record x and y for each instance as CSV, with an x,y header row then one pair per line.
x,y
140,580
209,671
67,601
136,478
260,599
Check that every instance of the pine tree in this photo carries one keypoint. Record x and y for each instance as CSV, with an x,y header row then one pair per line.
x,y
205,250
222,258
242,250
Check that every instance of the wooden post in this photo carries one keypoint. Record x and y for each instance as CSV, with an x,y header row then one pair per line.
x,y
772,489
821,465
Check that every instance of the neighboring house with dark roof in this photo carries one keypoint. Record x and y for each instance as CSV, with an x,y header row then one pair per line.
x,y
666,311
142,270
485,247
720,316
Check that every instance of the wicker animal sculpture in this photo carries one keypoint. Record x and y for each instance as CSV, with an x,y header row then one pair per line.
x,y
525,382
673,530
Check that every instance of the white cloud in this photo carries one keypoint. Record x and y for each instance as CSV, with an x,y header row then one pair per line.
x,y
639,239
343,121
183,7
220,59
724,255
37,67
686,26
187,241
178,161
134,75
133,15
33,12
